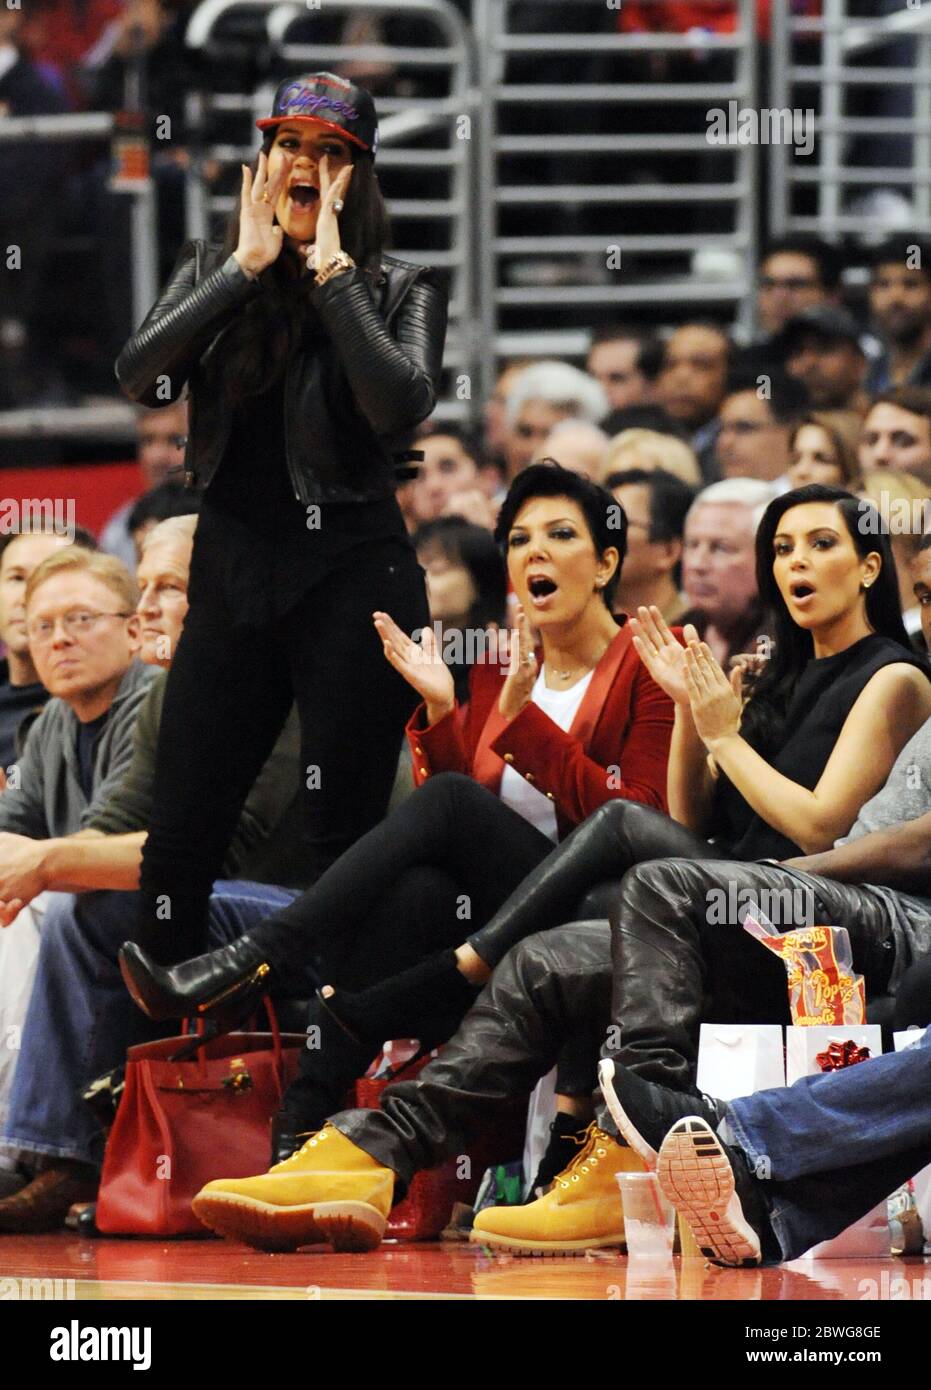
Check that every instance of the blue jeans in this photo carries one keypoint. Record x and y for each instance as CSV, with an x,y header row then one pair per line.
x,y
835,1145
81,1019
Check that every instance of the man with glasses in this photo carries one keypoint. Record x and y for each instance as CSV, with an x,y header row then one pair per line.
x,y
796,273
754,426
83,637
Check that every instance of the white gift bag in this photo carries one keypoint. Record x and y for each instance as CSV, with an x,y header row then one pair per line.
x,y
867,1238
921,1182
736,1059
804,1044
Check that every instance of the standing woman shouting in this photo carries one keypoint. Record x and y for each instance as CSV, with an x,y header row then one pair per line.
x,y
309,356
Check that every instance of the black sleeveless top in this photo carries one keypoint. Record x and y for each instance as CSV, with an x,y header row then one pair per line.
x,y
826,692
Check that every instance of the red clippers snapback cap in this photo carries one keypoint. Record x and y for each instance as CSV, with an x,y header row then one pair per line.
x,y
330,101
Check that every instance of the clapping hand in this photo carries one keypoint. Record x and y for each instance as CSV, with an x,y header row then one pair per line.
x,y
715,701
661,654
522,668
420,663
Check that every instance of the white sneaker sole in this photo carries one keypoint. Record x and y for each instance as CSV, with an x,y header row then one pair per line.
x,y
696,1176
346,1226
619,1115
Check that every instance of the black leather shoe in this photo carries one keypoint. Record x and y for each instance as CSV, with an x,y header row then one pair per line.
x,y
224,984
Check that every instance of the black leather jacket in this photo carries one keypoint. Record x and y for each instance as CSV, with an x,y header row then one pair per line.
x,y
381,362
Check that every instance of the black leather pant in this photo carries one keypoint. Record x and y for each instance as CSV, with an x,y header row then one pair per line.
x,y
618,835
681,957
552,987
670,969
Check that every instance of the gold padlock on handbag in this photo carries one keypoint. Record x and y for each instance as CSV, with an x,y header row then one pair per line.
x,y
239,1078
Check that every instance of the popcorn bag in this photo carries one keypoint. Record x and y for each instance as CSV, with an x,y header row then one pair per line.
x,y
822,986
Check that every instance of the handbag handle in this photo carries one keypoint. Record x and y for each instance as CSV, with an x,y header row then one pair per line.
x,y
201,1037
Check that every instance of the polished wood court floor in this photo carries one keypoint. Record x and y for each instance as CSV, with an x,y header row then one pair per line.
x,y
211,1269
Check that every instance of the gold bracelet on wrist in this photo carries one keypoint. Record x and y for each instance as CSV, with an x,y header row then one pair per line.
x,y
337,263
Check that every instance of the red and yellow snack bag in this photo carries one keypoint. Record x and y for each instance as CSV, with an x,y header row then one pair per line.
x,y
819,964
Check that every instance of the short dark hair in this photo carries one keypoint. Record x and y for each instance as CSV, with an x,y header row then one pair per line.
x,y
915,399
924,543
788,397
473,547
670,499
604,516
827,258
644,417
469,439
899,248
79,536
161,502
649,346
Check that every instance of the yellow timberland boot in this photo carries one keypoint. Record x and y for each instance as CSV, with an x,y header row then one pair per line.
x,y
581,1211
330,1191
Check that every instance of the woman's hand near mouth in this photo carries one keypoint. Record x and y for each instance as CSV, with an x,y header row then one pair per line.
x,y
260,237
326,241
522,671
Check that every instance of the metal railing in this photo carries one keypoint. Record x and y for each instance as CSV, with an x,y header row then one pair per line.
x,y
827,64
591,280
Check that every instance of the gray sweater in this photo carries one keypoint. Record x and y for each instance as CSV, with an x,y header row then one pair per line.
x,y
44,797
905,795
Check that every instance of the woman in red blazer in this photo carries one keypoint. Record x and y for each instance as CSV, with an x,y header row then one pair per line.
x,y
548,735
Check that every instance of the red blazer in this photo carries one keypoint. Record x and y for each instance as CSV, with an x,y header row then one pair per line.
x,y
624,722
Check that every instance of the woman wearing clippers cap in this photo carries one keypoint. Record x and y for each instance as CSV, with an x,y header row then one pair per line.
x,y
308,357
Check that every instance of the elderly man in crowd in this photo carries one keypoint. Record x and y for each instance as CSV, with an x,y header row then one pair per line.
x,y
539,397
719,565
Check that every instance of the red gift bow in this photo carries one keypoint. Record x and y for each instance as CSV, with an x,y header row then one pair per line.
x,y
841,1055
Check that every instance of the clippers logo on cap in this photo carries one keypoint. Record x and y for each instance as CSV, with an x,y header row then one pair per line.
x,y
299,99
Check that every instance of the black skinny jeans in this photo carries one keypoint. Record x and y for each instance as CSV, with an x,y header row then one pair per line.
x,y
450,825
229,691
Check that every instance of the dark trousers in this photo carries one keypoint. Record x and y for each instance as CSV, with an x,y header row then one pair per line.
x,y
440,865
681,957
228,694
450,824
550,988
670,970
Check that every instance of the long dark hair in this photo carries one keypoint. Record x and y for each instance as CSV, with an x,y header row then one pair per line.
x,y
256,349
763,717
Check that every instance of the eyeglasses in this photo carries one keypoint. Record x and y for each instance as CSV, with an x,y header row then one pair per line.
x,y
743,426
77,623
793,283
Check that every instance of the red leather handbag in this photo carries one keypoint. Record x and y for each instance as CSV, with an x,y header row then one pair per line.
x,y
189,1113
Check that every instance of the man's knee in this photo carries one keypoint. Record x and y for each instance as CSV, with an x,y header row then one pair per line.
x,y
579,948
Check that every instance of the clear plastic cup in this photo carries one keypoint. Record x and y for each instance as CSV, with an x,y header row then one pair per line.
x,y
649,1219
